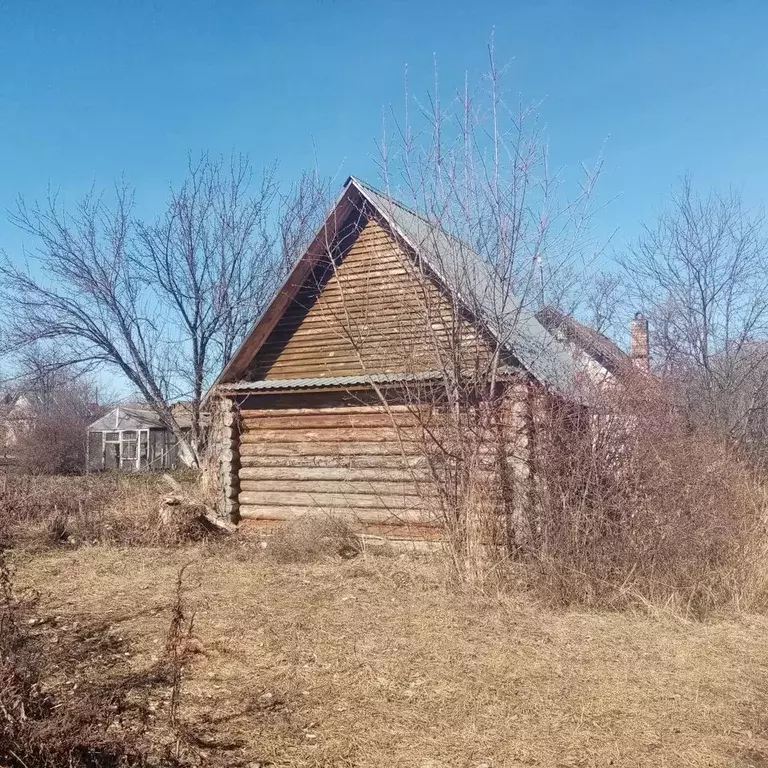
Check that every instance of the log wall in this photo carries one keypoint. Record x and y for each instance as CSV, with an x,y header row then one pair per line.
x,y
335,453
222,457
359,461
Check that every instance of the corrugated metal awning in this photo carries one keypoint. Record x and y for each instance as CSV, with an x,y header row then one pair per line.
x,y
319,382
336,382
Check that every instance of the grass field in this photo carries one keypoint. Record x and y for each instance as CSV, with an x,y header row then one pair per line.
x,y
373,661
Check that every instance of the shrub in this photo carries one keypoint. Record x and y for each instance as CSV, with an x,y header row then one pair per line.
x,y
312,538
635,506
50,436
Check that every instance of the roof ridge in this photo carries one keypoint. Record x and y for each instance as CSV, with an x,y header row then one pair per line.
x,y
387,195
414,212
596,343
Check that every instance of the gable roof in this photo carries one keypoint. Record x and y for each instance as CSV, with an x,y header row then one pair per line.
x,y
18,403
127,417
453,264
598,346
135,416
467,276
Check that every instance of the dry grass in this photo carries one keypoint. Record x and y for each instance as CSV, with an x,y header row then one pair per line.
x,y
68,696
43,511
312,539
374,662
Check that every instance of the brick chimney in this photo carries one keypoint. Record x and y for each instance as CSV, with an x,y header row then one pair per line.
x,y
640,352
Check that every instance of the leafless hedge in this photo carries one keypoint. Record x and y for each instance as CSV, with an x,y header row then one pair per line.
x,y
633,505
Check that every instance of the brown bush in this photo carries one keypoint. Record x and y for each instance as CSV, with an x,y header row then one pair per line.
x,y
50,438
313,538
634,506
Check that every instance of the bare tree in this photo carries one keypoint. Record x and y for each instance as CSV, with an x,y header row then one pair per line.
x,y
700,273
488,217
480,170
163,303
605,304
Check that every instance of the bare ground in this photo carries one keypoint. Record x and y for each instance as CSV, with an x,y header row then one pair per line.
x,y
372,661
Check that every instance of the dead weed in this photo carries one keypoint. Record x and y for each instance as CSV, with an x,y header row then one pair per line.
x,y
374,662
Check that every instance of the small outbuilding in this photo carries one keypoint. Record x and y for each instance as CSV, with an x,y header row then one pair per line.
x,y
132,438
317,410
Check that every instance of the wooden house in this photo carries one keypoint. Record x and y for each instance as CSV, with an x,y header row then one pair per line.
x,y
602,357
312,412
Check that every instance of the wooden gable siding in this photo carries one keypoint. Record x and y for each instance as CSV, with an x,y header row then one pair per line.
x,y
372,312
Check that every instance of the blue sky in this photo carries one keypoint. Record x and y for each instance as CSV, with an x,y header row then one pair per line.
x,y
92,90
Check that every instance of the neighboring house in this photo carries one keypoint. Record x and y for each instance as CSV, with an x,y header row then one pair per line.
x,y
42,429
22,411
603,359
299,414
17,415
132,438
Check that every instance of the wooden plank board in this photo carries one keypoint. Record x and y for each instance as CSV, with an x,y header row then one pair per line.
x,y
324,311
367,283
343,474
402,352
341,324
336,419
393,269
330,434
361,345
335,449
384,327
320,367
361,295
373,359
385,324
332,408
365,343
343,463
367,352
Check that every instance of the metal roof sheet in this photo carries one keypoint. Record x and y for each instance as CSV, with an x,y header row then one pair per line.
x,y
138,416
472,280
318,382
329,381
124,417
